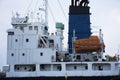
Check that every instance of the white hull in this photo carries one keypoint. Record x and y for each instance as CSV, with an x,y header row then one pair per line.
x,y
67,70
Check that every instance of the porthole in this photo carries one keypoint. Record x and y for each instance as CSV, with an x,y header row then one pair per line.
x,y
16,40
75,67
41,54
17,68
27,40
12,54
23,54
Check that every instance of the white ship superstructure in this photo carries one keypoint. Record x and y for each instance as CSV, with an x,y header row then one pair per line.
x,y
33,52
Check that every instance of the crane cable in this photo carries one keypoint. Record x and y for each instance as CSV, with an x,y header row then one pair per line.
x,y
62,10
51,13
49,9
36,5
29,5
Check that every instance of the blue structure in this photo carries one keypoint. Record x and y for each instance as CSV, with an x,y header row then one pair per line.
x,y
79,20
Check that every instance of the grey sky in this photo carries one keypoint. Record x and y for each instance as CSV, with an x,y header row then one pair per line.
x,y
105,15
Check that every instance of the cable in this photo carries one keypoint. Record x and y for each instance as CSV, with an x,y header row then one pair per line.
x,y
62,10
29,5
51,13
36,5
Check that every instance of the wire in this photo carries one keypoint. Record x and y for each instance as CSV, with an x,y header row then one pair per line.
x,y
36,5
29,5
51,13
62,10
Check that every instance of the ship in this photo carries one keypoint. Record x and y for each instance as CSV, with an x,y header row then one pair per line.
x,y
35,54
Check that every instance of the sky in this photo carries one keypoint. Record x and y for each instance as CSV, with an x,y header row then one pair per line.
x,y
105,14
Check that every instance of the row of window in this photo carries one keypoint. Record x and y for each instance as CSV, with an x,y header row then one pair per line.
x,y
48,68
33,68
36,28
23,54
10,33
24,68
31,27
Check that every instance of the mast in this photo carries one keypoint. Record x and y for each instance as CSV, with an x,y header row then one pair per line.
x,y
102,43
46,12
73,40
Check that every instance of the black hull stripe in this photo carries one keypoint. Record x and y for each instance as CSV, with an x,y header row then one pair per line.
x,y
65,78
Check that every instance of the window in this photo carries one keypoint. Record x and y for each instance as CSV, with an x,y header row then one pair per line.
x,y
41,54
86,67
18,68
78,57
59,68
15,27
10,33
100,68
30,27
12,54
46,28
35,27
27,40
21,27
42,66
25,68
52,57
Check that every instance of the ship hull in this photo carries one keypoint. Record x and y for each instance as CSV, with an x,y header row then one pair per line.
x,y
65,78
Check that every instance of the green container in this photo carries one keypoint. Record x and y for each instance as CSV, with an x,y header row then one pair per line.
x,y
60,26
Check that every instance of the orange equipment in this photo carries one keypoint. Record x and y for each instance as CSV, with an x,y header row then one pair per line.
x,y
91,44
